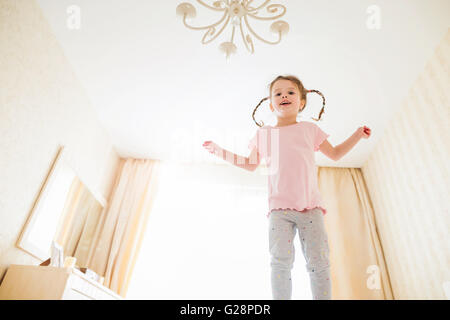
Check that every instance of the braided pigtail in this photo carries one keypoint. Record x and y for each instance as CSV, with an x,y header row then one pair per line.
x,y
253,115
323,103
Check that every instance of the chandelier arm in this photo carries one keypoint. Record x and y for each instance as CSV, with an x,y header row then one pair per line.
x,y
205,27
209,7
255,9
212,28
276,6
245,41
258,37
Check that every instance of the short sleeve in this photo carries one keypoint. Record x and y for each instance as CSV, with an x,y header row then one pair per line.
x,y
320,136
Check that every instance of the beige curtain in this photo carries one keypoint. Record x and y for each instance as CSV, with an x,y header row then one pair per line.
x,y
123,224
358,269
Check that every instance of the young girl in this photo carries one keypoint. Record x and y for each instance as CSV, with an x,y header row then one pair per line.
x,y
294,199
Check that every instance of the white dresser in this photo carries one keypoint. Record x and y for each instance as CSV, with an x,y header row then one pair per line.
x,y
23,282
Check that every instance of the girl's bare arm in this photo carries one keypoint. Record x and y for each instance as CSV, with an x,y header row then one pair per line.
x,y
347,145
248,163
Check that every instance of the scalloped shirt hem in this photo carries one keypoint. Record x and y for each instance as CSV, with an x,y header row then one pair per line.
x,y
324,211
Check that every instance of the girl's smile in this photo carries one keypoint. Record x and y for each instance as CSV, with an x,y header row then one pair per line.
x,y
285,103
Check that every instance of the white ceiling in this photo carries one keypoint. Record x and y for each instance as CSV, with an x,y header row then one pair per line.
x,y
160,93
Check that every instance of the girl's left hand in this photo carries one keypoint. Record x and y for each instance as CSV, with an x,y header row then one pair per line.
x,y
364,132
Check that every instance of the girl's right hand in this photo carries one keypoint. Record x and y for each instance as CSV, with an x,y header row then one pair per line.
x,y
212,147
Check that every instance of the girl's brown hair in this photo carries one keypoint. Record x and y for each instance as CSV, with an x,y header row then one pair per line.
x,y
303,93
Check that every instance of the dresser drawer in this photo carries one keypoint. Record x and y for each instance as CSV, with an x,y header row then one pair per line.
x,y
87,288
72,294
51,283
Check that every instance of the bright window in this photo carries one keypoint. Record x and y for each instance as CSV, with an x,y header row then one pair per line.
x,y
207,238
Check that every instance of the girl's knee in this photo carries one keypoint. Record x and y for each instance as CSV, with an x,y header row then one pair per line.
x,y
282,257
282,263
318,266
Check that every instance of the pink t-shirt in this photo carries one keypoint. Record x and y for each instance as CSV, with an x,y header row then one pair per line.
x,y
292,173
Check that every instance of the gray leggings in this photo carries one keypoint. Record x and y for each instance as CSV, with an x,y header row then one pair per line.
x,y
313,238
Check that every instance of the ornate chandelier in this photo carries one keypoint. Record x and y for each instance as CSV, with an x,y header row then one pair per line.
x,y
237,11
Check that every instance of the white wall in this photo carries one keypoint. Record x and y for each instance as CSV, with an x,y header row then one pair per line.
x,y
408,177
42,106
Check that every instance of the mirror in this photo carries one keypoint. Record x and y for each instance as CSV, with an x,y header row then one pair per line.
x,y
66,212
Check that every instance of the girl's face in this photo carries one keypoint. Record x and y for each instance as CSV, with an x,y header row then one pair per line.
x,y
285,99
